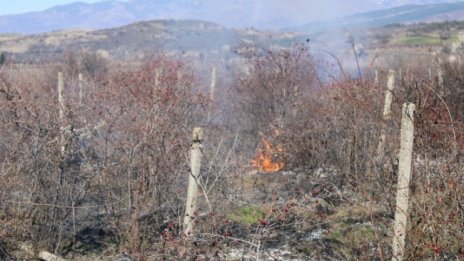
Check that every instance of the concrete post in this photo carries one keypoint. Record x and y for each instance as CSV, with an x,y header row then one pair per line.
x,y
386,114
81,88
192,190
212,89
441,84
62,109
404,176
156,84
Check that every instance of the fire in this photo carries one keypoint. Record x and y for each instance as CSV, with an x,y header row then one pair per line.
x,y
263,160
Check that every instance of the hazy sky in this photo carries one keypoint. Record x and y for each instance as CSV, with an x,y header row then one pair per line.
x,y
21,6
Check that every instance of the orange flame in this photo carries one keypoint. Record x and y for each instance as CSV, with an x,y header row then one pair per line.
x,y
263,160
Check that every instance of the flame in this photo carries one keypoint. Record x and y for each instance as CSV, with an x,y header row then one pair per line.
x,y
263,160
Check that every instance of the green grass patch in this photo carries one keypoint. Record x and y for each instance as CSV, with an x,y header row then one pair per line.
x,y
352,234
420,40
247,215
336,235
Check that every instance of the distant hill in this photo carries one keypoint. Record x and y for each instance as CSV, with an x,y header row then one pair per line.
x,y
268,14
186,38
407,14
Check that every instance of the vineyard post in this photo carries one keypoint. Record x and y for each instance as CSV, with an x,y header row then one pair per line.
x,y
192,189
61,111
386,114
156,84
212,89
441,84
404,176
81,88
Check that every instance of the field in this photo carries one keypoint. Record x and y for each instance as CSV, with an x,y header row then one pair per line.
x,y
299,152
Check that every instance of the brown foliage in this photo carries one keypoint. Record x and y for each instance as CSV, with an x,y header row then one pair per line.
x,y
122,176
124,157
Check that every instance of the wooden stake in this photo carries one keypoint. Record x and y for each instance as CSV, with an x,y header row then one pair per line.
x,y
192,190
404,176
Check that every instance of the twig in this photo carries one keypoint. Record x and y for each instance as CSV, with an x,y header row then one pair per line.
x,y
225,163
61,206
451,121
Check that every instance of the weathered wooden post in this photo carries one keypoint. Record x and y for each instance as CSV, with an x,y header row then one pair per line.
x,y
404,176
212,89
61,111
386,114
192,190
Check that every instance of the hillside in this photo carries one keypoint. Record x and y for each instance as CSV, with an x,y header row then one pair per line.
x,y
187,38
198,40
408,14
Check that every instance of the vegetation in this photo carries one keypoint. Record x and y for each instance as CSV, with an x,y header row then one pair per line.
x,y
119,184
420,40
2,58
247,215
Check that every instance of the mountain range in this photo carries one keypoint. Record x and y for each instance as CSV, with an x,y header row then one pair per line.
x,y
262,14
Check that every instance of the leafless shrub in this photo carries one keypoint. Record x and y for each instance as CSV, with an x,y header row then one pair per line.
x,y
93,64
119,159
122,176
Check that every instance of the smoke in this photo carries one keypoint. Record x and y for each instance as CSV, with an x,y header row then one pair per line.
x,y
298,12
278,14
261,14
